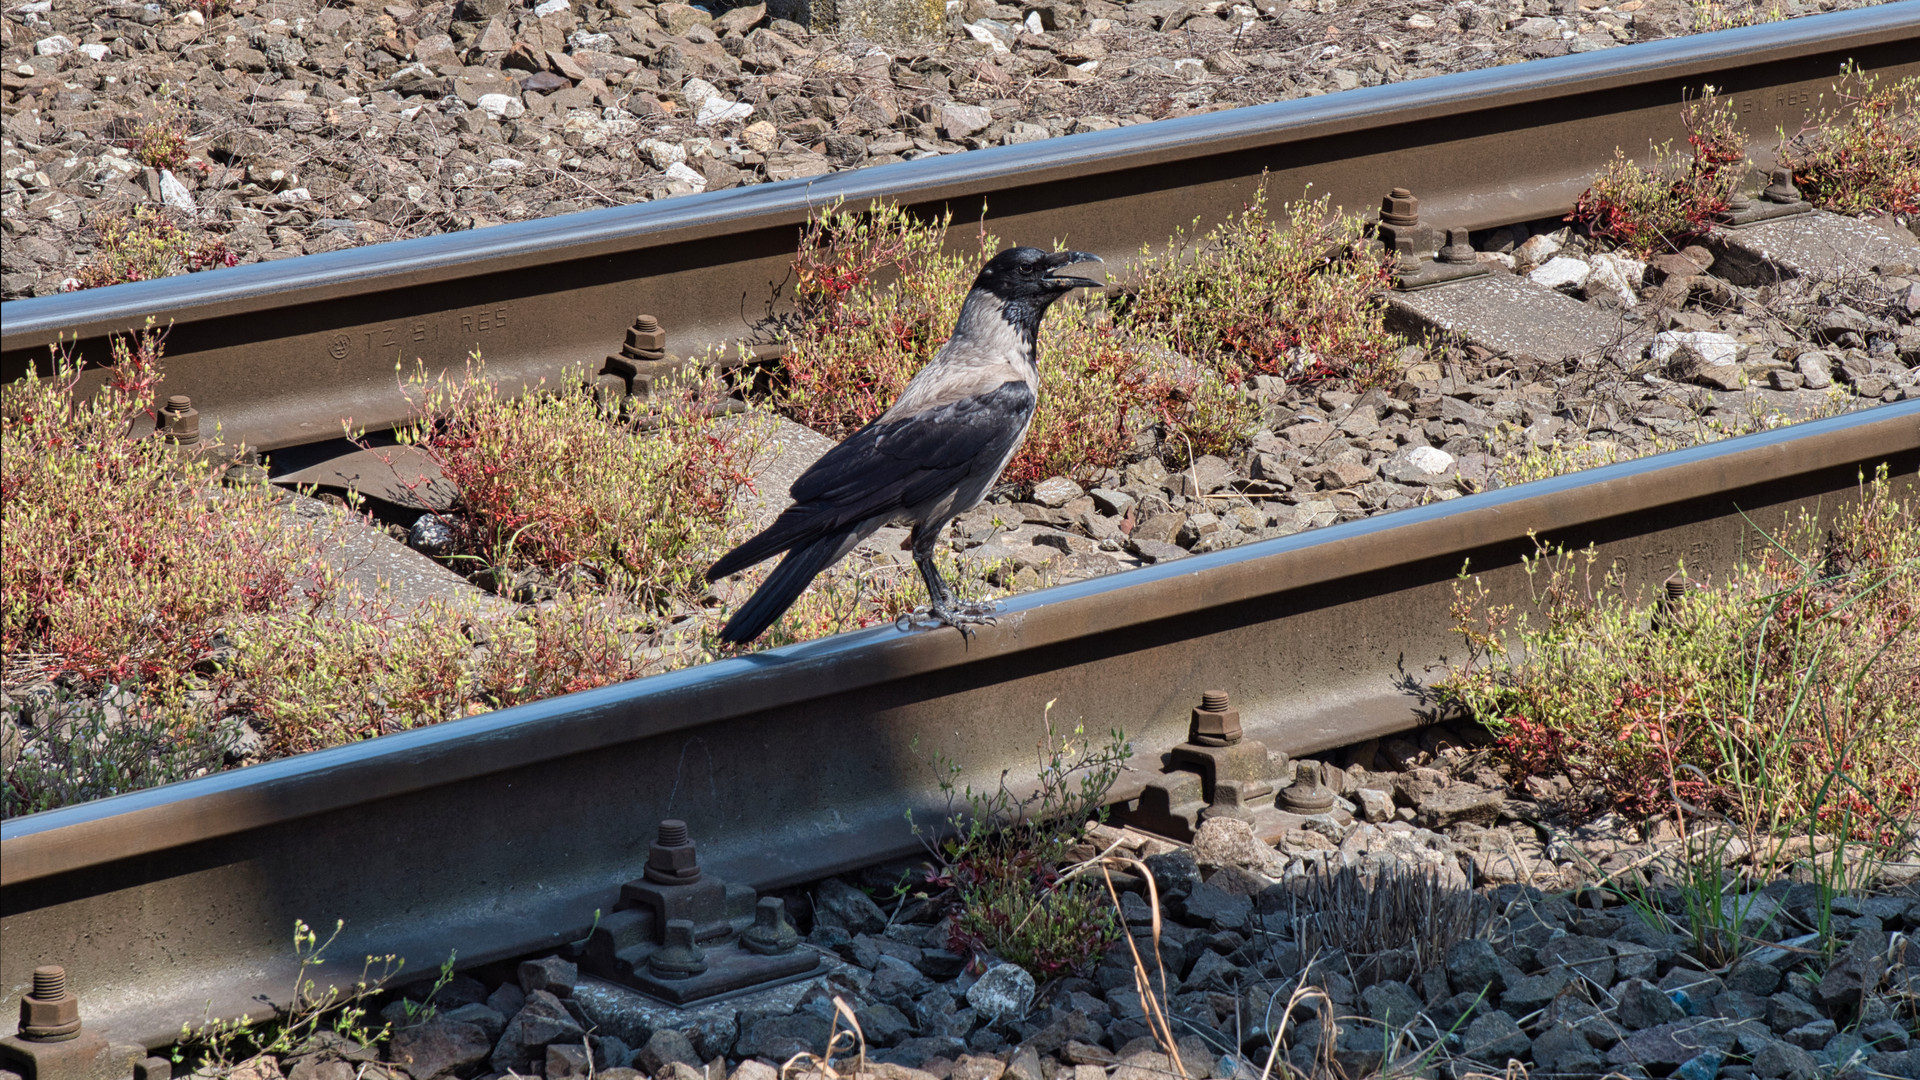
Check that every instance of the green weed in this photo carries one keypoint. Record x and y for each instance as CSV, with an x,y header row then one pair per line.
x,y
1864,154
1663,208
563,483
1297,297
1005,862
1784,696
147,244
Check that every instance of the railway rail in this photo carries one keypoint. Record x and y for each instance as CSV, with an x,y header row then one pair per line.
x,y
504,834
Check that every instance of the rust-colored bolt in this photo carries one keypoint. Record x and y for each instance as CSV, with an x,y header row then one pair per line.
x,y
1782,189
645,339
771,933
1458,251
1400,208
1307,795
49,1012
180,421
1737,201
1215,722
671,860
679,957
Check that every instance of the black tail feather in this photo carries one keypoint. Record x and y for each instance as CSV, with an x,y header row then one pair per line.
x,y
788,530
783,587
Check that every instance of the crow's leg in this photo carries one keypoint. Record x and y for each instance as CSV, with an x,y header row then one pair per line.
x,y
943,607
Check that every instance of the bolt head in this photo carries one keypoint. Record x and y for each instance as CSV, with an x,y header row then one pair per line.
x,y
1399,208
647,339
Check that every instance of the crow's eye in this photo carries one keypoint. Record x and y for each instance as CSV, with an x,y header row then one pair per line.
x,y
1028,269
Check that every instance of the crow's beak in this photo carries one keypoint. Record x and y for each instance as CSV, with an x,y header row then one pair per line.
x,y
1062,259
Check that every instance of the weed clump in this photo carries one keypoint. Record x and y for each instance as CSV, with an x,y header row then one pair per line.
x,y
570,487
1785,696
1663,208
1255,295
1863,156
875,297
148,244
118,559
1013,889
159,141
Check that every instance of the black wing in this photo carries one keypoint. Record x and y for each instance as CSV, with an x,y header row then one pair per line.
x,y
891,465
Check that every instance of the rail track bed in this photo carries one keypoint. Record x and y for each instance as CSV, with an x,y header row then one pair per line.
x,y
510,834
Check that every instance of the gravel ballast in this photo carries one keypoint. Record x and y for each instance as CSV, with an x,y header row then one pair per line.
x,y
1540,968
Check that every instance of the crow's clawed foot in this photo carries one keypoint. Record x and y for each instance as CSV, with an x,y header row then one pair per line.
x,y
962,617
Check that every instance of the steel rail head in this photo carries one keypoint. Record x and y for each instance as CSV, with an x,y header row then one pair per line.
x,y
1559,82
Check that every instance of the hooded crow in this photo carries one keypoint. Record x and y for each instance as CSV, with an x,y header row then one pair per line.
x,y
931,456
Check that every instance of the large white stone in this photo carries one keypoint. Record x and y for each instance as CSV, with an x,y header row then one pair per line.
x,y
1714,349
173,193
1562,272
718,110
1618,274
501,106
680,174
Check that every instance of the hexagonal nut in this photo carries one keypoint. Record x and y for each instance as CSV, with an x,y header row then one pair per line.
x,y
647,339
1395,206
41,1013
678,858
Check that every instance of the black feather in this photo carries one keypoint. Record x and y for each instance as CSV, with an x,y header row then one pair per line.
x,y
887,467
782,588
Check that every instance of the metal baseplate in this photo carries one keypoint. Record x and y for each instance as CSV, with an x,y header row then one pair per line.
x,y
683,936
1218,772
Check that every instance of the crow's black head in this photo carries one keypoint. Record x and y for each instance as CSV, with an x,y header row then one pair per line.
x,y
1029,277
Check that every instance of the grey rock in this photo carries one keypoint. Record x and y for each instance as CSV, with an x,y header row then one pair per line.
x,y
1532,992
1668,1046
1004,991
850,907
542,1020
1056,492
1586,957
1494,1038
1456,803
1473,966
1643,1005
1857,969
1815,369
506,1000
883,1025
564,1061
431,535
1154,551
1391,1002
1786,1011
896,981
1813,1035
663,1046
1214,908
1784,1061
480,1014
962,121
549,973
1175,873
1563,1050
439,1047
